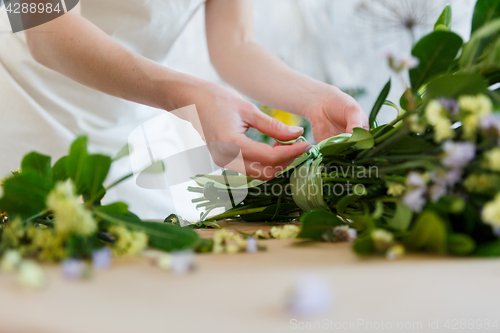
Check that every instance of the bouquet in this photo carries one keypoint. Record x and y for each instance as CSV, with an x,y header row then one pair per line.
x,y
428,181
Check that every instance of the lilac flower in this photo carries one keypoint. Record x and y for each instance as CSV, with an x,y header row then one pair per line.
x,y
414,179
437,191
101,259
415,199
489,121
183,262
252,245
311,295
73,268
450,104
458,154
496,231
453,177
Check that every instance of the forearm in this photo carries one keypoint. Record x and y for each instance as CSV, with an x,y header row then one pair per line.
x,y
76,48
262,76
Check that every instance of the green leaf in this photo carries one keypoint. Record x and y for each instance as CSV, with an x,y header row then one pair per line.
x,y
162,236
77,154
125,151
461,244
479,43
95,169
484,12
38,163
306,185
117,208
345,202
436,52
60,170
429,233
444,19
402,218
454,85
410,145
491,249
362,138
336,149
379,103
316,222
25,194
364,246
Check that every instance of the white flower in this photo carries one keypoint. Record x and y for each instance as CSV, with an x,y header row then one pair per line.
x,y
399,62
101,259
458,155
31,275
10,261
73,268
437,191
490,121
415,199
409,62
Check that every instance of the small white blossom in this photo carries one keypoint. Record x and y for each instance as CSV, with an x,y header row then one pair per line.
x,y
10,261
252,245
437,191
31,275
414,179
101,259
73,268
183,262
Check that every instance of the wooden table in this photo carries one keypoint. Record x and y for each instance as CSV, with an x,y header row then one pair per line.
x,y
247,293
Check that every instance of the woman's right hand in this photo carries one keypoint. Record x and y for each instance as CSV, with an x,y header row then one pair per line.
x,y
222,117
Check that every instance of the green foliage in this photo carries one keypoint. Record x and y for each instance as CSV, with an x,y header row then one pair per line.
x,y
436,52
429,233
444,21
316,222
379,103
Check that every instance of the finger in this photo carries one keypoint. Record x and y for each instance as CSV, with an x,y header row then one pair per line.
x,y
264,172
273,127
271,156
357,118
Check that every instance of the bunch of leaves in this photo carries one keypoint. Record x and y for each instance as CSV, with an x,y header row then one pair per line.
x,y
371,160
25,196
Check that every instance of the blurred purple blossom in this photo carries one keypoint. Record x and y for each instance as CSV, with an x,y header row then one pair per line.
x,y
449,104
415,199
101,259
416,180
252,245
490,121
437,191
458,154
73,268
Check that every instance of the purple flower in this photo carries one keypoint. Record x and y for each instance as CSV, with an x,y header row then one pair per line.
x,y
252,245
437,191
458,154
415,199
449,104
452,177
183,262
73,268
416,180
490,121
101,259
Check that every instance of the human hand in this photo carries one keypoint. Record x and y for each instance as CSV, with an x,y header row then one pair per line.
x,y
222,118
334,112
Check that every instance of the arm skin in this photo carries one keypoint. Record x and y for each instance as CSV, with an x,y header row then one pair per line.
x,y
73,46
262,76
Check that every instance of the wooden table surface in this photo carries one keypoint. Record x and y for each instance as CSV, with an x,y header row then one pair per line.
x,y
247,293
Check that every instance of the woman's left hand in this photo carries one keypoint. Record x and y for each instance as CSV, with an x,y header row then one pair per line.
x,y
333,113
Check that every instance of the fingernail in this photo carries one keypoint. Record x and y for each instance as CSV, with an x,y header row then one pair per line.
x,y
295,129
308,148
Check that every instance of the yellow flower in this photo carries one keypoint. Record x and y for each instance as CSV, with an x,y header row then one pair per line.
x,y
395,189
481,184
470,126
229,242
12,232
434,112
382,239
286,232
70,215
284,117
46,244
258,234
443,130
491,212
396,251
415,125
479,105
165,261
128,243
493,159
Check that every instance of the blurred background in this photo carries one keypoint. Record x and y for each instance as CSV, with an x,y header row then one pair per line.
x,y
335,41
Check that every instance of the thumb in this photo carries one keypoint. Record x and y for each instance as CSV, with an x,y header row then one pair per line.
x,y
358,119
273,127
